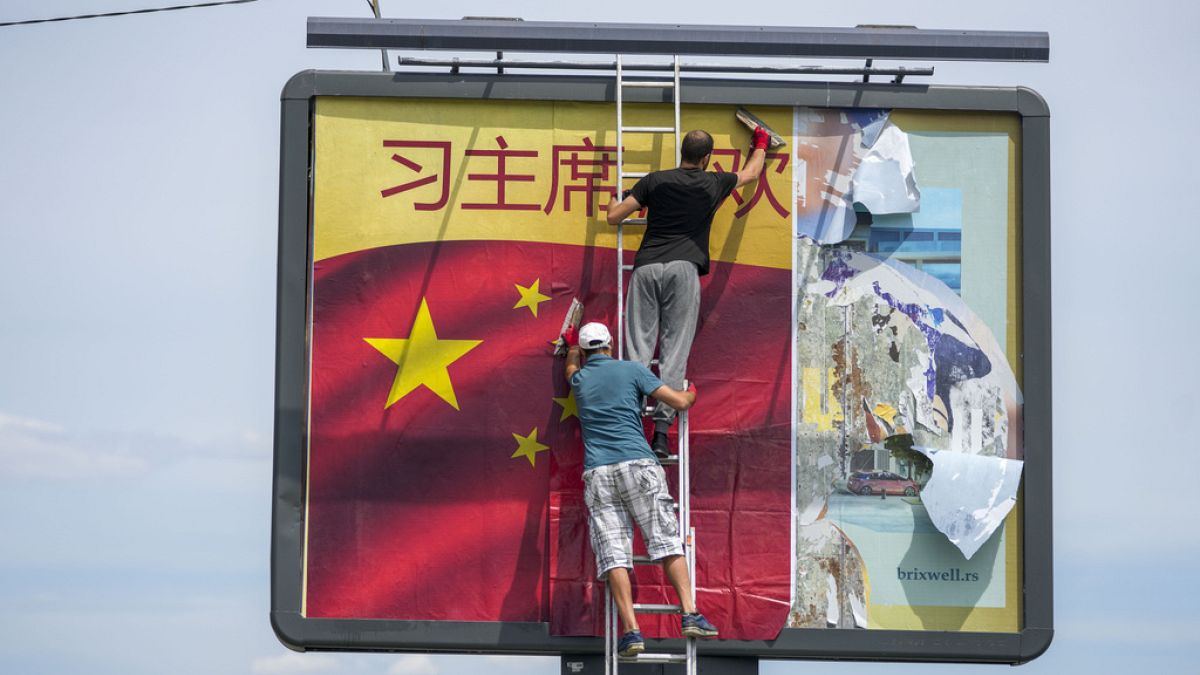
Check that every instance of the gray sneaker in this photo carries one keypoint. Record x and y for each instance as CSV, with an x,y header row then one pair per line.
x,y
696,626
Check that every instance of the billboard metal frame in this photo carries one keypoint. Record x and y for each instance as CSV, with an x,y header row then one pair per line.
x,y
880,42
292,368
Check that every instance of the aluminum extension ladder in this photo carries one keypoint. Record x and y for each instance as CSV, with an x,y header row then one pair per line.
x,y
612,629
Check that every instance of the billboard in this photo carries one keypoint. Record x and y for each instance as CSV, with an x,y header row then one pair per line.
x,y
877,306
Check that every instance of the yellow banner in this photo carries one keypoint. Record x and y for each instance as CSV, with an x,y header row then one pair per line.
x,y
400,171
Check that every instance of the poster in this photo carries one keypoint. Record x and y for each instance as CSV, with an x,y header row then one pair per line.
x,y
443,466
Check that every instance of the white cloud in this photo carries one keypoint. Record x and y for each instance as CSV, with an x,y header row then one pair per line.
x,y
414,664
32,448
36,449
294,662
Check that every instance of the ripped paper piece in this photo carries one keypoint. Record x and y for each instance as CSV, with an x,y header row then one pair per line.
x,y
883,180
837,220
969,496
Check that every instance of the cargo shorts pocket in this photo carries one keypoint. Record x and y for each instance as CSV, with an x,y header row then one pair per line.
x,y
662,527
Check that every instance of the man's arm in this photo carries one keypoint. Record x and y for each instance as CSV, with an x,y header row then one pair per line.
x,y
571,339
753,168
620,210
679,400
758,158
573,358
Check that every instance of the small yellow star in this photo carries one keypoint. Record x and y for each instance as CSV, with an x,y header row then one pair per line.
x,y
568,405
528,447
422,359
531,297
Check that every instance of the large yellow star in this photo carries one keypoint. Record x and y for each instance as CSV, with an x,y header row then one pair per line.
x,y
568,405
530,297
422,359
528,447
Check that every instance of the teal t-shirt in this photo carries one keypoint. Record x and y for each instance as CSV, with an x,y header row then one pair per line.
x,y
609,395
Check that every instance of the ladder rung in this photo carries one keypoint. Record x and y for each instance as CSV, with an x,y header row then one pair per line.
x,y
634,174
627,268
648,608
646,657
661,84
648,130
634,221
644,560
669,461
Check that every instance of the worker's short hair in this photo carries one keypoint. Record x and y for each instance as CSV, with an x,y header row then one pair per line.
x,y
589,352
695,146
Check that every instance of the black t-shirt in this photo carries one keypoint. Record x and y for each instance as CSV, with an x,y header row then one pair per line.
x,y
682,203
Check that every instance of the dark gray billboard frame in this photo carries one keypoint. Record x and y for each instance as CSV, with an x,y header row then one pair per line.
x,y
292,367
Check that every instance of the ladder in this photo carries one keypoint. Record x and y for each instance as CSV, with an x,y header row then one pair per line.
x,y
623,175
612,629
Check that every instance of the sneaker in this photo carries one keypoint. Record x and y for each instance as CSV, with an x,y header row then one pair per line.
x,y
696,626
659,445
631,644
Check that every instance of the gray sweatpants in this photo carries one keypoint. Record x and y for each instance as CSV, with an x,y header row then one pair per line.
x,y
661,307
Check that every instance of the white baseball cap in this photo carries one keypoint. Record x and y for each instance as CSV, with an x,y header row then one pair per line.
x,y
594,336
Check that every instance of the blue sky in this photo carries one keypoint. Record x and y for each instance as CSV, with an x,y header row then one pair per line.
x,y
138,197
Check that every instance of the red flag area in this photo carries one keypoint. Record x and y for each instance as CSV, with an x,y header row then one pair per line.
x,y
444,463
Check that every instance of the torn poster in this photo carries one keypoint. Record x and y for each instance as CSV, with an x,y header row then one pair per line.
x,y
969,496
871,164
885,349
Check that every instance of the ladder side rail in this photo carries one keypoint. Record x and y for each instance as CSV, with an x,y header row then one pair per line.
x,y
675,95
611,662
621,224
610,631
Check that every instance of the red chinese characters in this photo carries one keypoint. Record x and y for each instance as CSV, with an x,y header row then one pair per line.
x,y
412,165
762,186
589,182
501,178
583,171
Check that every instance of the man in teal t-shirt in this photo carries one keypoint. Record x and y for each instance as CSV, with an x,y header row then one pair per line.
x,y
623,481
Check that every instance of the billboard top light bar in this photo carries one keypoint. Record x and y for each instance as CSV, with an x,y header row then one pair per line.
x,y
871,42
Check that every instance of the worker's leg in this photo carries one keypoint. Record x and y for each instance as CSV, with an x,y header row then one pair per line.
x,y
653,510
675,567
641,314
680,297
611,531
618,583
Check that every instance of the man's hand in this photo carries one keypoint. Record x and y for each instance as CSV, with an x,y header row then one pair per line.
x,y
758,156
571,337
761,139
622,209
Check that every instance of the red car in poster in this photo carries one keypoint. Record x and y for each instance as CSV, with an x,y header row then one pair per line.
x,y
881,482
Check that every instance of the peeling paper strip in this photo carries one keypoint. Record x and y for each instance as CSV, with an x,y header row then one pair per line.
x,y
860,611
833,612
969,496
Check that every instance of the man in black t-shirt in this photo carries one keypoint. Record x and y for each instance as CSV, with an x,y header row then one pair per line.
x,y
663,302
